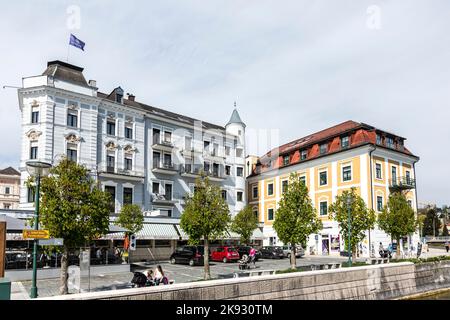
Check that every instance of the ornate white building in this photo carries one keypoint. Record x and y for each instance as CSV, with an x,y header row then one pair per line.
x,y
138,153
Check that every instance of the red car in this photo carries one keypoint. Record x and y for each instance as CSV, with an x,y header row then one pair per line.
x,y
225,254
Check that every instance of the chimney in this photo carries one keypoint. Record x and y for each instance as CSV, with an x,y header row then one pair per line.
x,y
93,83
131,97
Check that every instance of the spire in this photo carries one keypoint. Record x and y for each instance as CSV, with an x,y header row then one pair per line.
x,y
235,118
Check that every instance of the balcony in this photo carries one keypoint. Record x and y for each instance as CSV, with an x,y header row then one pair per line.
x,y
163,199
112,172
163,145
402,183
164,167
190,171
214,175
213,154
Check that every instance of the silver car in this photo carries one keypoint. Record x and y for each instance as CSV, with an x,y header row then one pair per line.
x,y
299,252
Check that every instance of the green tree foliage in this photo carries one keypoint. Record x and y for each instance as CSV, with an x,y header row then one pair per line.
x,y
296,217
206,216
361,218
131,218
244,223
432,223
397,218
445,231
72,207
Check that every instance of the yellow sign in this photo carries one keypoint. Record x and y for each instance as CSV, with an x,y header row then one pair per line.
x,y
35,234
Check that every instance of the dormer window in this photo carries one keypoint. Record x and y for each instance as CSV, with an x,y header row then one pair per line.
x,y
345,142
285,160
304,154
390,143
378,138
323,148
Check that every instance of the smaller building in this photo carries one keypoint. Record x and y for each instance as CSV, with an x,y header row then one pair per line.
x,y
9,188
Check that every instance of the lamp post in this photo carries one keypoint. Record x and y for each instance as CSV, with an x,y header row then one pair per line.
x,y
36,169
349,221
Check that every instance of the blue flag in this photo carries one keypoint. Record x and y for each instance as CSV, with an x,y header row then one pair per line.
x,y
74,41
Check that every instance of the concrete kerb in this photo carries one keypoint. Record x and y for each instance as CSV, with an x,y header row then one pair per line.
x,y
213,283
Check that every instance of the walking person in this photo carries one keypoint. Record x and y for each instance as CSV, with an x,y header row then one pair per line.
x,y
447,246
252,255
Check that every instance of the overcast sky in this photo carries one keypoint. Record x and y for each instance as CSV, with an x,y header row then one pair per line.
x,y
295,67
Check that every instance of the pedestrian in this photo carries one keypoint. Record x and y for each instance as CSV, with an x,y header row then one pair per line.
x,y
98,254
150,280
159,275
447,246
252,255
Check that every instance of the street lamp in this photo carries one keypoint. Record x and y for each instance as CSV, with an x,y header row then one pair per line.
x,y
36,169
349,221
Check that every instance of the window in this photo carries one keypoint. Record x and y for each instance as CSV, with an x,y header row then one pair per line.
x,y
394,175
302,180
345,142
215,151
156,159
270,214
255,192
111,128
239,196
156,136
215,171
187,143
239,152
127,196
167,160
286,160
112,191
128,132
227,150
304,154
390,143
155,187
284,186
119,98
167,137
378,139
206,145
408,176
128,163
378,171
35,117
33,150
323,148
7,206
168,191
206,166
224,195
270,189
379,203
255,213
72,118
72,152
323,208
227,170
7,190
30,194
347,173
323,178
239,171
110,164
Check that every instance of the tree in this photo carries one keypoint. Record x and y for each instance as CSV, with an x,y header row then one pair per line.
x,y
397,218
244,223
432,223
131,218
445,231
72,207
206,216
361,218
296,217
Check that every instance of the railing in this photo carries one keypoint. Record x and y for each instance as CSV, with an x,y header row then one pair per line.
x,y
161,197
189,169
402,183
110,169
164,165
163,142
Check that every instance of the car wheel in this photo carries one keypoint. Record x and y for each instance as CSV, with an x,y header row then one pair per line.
x,y
172,261
191,262
224,260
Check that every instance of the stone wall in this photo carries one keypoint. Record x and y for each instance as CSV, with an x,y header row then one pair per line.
x,y
389,281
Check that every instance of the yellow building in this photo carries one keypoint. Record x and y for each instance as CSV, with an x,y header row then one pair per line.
x,y
330,161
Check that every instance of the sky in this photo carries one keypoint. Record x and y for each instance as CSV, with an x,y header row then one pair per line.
x,y
293,67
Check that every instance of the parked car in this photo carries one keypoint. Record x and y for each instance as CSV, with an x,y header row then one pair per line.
x,y
225,254
299,252
18,260
272,252
192,255
246,250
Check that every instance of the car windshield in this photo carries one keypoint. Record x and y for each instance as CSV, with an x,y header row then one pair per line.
x,y
231,249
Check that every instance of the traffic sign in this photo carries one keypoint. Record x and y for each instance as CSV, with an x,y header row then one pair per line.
x,y
52,242
35,234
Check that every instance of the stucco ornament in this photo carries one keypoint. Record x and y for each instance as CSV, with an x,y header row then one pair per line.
x,y
129,148
33,134
111,146
72,138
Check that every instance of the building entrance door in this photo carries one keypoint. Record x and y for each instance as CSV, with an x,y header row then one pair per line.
x,y
325,245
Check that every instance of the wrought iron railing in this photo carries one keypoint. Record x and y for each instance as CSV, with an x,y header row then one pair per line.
x,y
403,183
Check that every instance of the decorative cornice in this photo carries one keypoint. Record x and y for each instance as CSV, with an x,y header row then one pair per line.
x,y
129,149
111,146
72,138
33,134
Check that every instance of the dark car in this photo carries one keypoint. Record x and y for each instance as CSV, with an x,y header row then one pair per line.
x,y
18,260
246,250
192,255
272,252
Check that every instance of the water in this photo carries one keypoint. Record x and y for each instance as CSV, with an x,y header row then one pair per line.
x,y
441,296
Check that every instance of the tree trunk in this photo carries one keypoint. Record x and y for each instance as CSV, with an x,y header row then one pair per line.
x,y
64,274
398,249
293,259
207,275
354,248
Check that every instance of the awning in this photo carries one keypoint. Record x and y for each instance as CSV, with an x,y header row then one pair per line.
x,y
257,235
157,231
14,225
184,235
